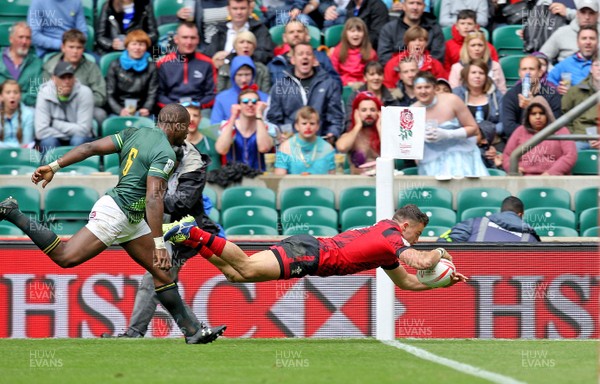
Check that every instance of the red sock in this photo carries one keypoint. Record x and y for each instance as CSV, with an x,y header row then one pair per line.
x,y
197,234
212,242
205,252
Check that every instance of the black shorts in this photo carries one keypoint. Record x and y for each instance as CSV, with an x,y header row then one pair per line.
x,y
298,256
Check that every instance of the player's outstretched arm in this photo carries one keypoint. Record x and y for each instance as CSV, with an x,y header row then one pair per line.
x,y
405,280
423,259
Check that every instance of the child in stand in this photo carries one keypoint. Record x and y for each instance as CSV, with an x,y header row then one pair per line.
x,y
16,119
204,144
352,54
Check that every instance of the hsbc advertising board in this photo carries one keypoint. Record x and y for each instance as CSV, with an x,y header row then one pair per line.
x,y
544,291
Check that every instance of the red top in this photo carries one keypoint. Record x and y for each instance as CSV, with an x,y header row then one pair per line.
x,y
391,72
453,47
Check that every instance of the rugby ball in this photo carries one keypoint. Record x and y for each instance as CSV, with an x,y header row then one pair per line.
x,y
438,276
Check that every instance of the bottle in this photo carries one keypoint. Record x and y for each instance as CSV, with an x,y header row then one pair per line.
x,y
479,117
526,85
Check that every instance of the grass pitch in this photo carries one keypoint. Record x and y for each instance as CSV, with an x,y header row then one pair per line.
x,y
290,361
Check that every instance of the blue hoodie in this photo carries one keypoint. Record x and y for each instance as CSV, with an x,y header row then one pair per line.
x,y
225,99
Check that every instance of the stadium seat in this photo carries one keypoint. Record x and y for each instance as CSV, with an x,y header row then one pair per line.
x,y
106,59
557,231
99,5
309,215
236,196
358,216
496,172
19,156
479,197
9,229
346,93
109,161
435,230
66,227
114,170
249,215
549,218
13,11
440,216
478,212
447,31
276,33
69,203
251,230
164,29
211,194
592,232
5,28
313,196
88,11
357,197
437,8
588,219
426,197
116,124
58,152
333,35
77,169
586,198
411,171
313,230
510,67
16,170
506,41
545,197
587,163
164,8
28,197
215,215
91,41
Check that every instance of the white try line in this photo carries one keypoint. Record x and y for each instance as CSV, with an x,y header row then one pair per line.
x,y
457,366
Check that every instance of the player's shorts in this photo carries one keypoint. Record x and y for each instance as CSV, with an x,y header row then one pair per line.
x,y
109,223
298,256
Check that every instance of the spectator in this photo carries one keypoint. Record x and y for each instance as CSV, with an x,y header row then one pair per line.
x,y
186,75
373,12
307,85
19,64
475,47
221,44
64,110
505,226
132,76
50,19
577,94
279,12
305,153
354,51
465,24
563,42
244,138
86,71
373,77
451,8
295,33
577,66
514,103
408,71
442,86
545,66
362,140
448,149
415,41
203,143
243,73
244,45
118,18
391,35
205,15
548,158
16,119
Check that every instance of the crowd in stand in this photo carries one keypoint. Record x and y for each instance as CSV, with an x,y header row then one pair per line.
x,y
303,103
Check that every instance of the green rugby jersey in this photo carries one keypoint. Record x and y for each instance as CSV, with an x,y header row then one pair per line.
x,y
143,152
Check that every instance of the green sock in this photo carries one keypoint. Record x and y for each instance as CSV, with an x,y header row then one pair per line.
x,y
45,239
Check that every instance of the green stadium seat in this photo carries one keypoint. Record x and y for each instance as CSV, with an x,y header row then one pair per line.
x,y
28,197
304,216
114,170
211,194
549,218
592,232
435,230
9,229
479,197
557,231
110,161
58,152
545,197
506,41
236,196
312,230
437,8
474,212
333,35
16,170
91,40
116,124
588,219
447,31
496,172
251,230
13,11
249,215
166,8
426,197
510,67
99,5
587,163
69,203
346,93
88,11
586,198
19,156
357,197
312,196
64,227
165,29
106,59
410,171
358,216
440,216
76,169
215,215
5,28
276,33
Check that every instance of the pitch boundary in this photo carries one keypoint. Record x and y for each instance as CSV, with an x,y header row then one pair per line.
x,y
456,365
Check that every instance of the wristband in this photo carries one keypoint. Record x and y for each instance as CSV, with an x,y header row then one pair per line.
x,y
54,166
159,243
442,251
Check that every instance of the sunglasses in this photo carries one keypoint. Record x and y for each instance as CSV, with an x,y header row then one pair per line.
x,y
247,100
186,104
